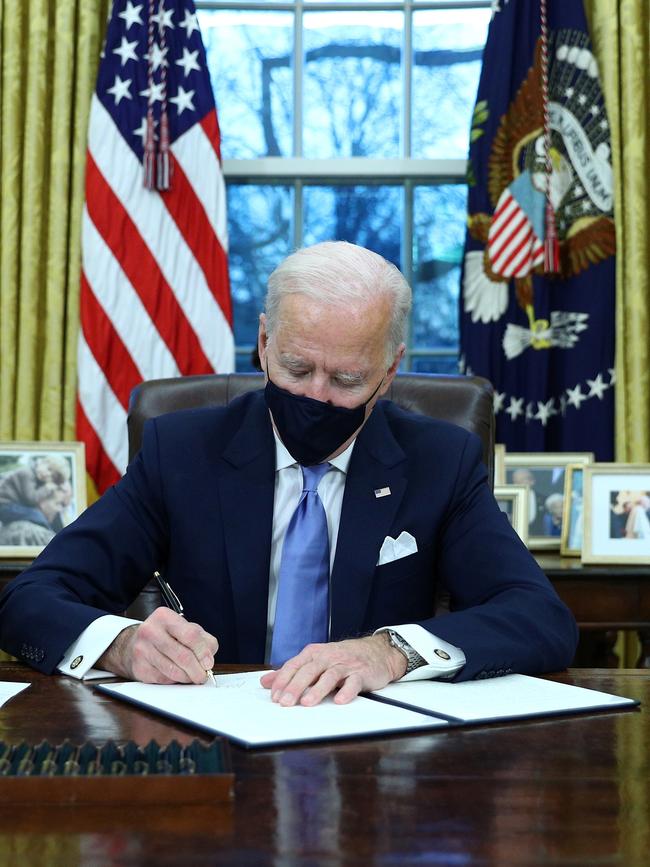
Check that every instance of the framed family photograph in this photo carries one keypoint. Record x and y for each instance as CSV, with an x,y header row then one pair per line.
x,y
42,488
513,501
573,515
616,513
543,473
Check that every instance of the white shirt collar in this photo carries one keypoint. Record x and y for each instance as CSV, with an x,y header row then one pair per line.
x,y
283,459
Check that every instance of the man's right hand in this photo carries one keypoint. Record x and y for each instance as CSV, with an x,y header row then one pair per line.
x,y
165,648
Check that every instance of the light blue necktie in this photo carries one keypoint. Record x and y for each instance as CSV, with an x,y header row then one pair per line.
x,y
302,608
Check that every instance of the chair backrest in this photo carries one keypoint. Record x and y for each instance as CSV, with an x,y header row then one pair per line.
x,y
463,400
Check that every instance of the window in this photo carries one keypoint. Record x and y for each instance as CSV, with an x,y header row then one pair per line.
x,y
348,121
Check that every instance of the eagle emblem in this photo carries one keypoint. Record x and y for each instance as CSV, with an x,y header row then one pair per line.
x,y
579,188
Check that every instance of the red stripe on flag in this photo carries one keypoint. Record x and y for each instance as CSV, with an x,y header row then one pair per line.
x,y
514,253
121,234
210,124
106,345
507,206
99,465
189,215
512,225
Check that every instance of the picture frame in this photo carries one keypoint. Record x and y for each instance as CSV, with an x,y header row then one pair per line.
x,y
512,501
573,515
616,513
544,473
42,489
499,464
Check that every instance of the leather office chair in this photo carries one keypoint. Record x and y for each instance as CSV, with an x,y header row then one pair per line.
x,y
463,400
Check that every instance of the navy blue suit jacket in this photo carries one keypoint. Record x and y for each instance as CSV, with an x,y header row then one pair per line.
x,y
197,503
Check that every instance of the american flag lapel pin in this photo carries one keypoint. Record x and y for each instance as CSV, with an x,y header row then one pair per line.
x,y
382,492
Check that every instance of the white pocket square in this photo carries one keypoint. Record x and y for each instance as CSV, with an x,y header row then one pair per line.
x,y
395,549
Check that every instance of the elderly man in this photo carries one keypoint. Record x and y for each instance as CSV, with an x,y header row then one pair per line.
x,y
305,525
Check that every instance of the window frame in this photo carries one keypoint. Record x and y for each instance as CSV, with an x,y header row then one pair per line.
x,y
298,171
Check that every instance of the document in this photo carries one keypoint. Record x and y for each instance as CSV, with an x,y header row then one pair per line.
x,y
8,689
515,696
242,710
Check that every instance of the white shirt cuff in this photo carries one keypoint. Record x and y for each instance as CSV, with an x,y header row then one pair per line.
x,y
88,647
444,660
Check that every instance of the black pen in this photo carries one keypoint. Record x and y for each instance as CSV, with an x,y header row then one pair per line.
x,y
172,601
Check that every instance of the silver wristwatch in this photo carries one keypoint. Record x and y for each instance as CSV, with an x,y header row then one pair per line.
x,y
413,658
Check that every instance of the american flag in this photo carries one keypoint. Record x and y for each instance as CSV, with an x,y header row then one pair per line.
x,y
155,296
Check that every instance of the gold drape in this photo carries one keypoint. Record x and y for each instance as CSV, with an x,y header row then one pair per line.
x,y
620,31
50,53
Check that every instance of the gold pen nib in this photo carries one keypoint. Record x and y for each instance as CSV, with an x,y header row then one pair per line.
x,y
209,677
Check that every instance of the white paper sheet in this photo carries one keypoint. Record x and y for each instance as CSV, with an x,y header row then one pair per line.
x,y
509,697
242,709
8,689
97,674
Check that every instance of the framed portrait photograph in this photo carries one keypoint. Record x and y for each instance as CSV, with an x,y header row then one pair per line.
x,y
513,500
42,489
499,464
616,513
573,515
543,473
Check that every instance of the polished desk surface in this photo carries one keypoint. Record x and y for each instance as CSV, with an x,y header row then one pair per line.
x,y
564,791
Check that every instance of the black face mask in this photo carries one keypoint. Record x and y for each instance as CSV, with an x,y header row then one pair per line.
x,y
311,429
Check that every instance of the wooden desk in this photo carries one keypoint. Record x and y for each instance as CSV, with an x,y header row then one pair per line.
x,y
604,599
545,792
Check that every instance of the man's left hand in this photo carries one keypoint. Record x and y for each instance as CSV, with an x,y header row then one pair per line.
x,y
344,668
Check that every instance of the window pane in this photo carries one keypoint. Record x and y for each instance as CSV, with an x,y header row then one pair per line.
x,y
439,217
367,215
260,221
249,55
352,84
244,361
447,49
434,364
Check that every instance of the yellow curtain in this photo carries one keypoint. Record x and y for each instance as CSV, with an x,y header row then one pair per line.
x,y
620,31
50,53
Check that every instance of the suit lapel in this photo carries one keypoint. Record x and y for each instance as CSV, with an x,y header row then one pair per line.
x,y
246,493
377,462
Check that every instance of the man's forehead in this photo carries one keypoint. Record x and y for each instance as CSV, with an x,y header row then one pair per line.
x,y
305,361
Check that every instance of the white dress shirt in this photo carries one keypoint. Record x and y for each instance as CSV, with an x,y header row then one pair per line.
x,y
93,641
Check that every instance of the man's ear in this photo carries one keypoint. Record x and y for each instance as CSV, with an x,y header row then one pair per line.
x,y
392,370
262,340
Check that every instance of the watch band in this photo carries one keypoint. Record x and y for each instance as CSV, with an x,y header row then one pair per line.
x,y
413,658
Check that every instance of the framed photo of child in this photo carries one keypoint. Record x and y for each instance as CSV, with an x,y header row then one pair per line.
x,y
42,489
616,513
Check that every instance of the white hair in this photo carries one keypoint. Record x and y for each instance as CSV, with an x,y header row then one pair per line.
x,y
337,272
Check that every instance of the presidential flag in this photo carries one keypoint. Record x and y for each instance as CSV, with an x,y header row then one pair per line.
x,y
537,296
155,296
